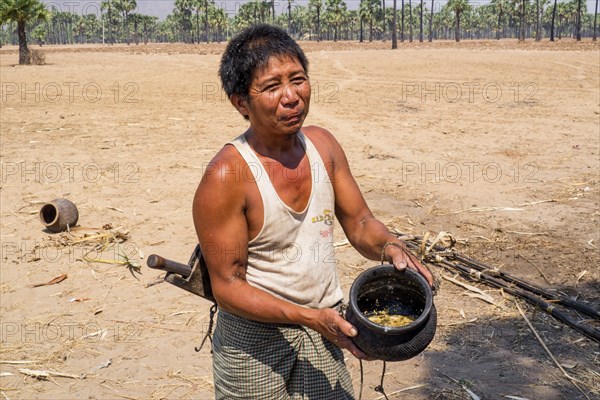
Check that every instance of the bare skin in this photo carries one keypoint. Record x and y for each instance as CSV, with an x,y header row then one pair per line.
x,y
228,209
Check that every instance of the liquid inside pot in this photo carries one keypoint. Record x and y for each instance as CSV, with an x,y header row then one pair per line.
x,y
385,318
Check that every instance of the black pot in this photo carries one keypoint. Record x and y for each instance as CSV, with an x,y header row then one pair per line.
x,y
384,288
59,215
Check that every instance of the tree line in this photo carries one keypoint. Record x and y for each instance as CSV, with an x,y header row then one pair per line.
x,y
196,21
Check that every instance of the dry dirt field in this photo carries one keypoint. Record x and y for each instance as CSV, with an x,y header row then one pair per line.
x,y
494,142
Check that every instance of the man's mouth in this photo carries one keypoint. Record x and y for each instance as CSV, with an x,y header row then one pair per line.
x,y
292,117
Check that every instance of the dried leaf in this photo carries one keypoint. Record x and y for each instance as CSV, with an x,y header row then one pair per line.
x,y
56,280
580,275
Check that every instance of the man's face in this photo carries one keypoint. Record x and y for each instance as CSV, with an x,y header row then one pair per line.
x,y
279,97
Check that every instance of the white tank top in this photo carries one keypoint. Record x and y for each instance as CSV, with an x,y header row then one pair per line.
x,y
292,257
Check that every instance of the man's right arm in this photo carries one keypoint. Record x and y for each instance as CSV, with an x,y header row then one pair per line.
x,y
219,212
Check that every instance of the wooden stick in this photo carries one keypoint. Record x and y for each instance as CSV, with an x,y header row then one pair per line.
x,y
569,377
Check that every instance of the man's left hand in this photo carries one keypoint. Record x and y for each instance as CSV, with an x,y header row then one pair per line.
x,y
402,258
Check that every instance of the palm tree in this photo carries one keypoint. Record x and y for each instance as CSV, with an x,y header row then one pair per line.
x,y
368,12
108,5
22,12
126,6
148,22
39,33
458,7
499,6
183,13
317,6
335,13
197,6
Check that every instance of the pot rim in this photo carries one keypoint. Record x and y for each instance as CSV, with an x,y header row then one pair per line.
x,y
48,206
363,278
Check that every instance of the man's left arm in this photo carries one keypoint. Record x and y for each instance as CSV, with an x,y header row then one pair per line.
x,y
366,233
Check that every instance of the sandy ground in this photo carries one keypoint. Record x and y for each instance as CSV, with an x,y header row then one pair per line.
x,y
495,143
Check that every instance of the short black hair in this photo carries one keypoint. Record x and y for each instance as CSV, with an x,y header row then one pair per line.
x,y
250,50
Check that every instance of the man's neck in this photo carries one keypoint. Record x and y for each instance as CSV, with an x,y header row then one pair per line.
x,y
276,147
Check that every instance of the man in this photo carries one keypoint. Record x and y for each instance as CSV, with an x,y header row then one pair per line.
x,y
264,214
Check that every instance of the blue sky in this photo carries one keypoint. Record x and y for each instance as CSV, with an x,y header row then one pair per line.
x,y
160,8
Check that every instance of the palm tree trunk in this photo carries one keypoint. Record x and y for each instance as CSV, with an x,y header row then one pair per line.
x,y
197,26
538,25
23,50
578,21
457,33
126,28
394,28
499,23
595,20
206,20
361,37
421,23
319,24
431,23
289,16
402,24
384,22
553,17
410,36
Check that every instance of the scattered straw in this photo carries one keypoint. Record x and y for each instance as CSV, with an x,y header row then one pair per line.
x,y
406,389
481,209
569,377
43,374
17,362
479,294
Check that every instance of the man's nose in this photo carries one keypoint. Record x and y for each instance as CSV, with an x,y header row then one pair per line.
x,y
290,93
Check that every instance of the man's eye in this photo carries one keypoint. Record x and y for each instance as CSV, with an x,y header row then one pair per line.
x,y
270,88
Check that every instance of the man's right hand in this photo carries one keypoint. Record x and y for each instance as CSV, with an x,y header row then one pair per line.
x,y
337,330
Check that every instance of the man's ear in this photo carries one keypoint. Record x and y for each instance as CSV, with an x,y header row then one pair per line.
x,y
240,104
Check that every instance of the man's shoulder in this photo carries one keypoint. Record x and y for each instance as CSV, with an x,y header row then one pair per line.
x,y
226,165
227,156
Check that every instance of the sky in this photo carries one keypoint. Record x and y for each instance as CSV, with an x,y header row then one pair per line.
x,y
161,8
